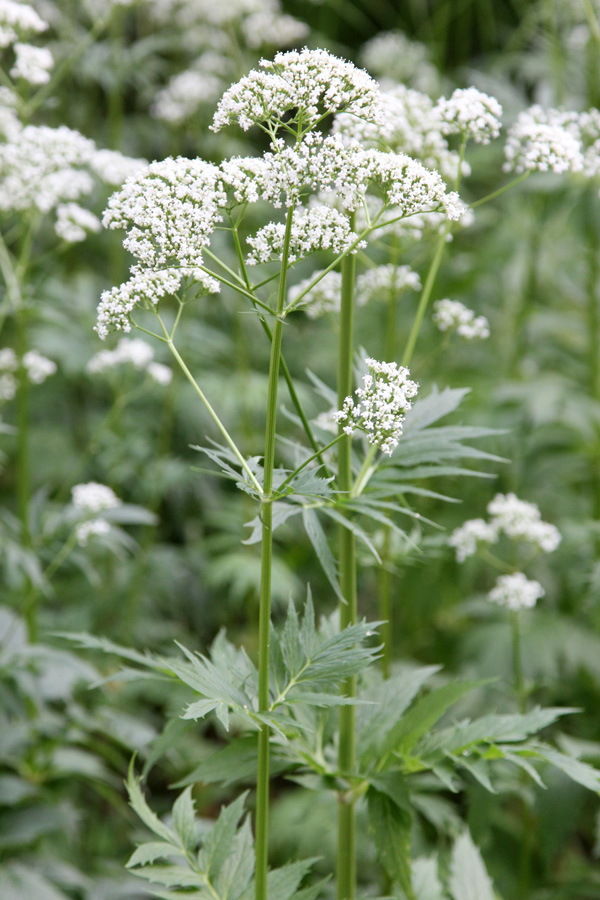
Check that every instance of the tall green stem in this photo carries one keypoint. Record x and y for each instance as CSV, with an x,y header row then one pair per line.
x,y
346,850
264,623
425,296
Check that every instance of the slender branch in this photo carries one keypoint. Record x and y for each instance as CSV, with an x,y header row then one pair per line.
x,y
264,624
230,442
501,190
425,296
346,851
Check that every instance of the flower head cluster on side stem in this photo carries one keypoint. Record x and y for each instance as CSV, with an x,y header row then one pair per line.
x,y
383,401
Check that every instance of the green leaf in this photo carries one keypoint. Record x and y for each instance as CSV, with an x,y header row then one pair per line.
x,y
171,876
490,729
218,845
150,819
578,771
391,827
317,538
386,704
469,879
237,868
184,821
283,882
351,526
150,852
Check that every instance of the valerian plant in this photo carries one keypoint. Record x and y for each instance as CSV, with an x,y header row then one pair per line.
x,y
335,167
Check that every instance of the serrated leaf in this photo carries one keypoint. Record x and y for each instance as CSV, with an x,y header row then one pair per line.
x,y
469,879
149,818
237,868
184,820
391,826
390,700
353,527
317,538
577,771
490,729
283,882
171,876
281,513
218,844
150,852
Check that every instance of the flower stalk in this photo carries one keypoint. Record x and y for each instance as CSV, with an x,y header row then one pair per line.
x,y
346,853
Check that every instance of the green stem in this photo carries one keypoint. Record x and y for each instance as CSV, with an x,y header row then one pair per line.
x,y
316,455
346,850
264,623
501,190
385,603
425,296
366,470
517,660
229,440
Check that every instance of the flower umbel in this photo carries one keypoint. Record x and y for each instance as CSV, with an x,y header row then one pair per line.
x,y
516,592
384,400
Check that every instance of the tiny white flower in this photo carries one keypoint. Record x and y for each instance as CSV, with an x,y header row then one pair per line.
x,y
545,140
522,520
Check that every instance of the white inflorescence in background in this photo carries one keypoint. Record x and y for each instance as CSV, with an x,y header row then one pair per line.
x,y
383,401
134,352
523,521
37,367
324,297
91,498
74,222
16,20
517,519
465,539
32,64
392,55
516,592
545,140
452,315
312,81
472,114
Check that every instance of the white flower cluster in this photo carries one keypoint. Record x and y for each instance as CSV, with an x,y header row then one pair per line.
x,y
44,166
383,402
32,64
90,499
545,140
411,124
515,518
390,55
452,315
16,20
169,210
385,281
134,352
465,539
10,126
74,222
314,82
471,113
142,289
37,367
516,592
522,521
318,228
